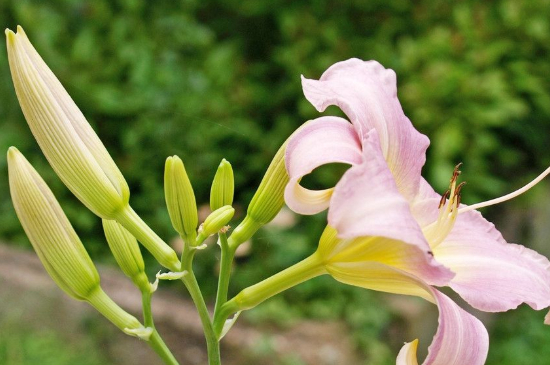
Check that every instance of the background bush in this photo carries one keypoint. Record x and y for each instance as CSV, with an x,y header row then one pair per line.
x,y
217,79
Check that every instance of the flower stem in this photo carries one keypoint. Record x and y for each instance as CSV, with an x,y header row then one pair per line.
x,y
225,272
250,297
146,306
212,343
163,253
158,345
155,341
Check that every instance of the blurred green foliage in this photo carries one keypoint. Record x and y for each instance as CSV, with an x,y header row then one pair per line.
x,y
216,79
23,346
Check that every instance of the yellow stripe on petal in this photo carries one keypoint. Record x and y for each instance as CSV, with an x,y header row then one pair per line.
x,y
377,276
407,355
308,201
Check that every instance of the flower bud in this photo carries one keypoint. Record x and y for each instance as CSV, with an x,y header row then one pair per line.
x,y
269,198
49,230
180,198
215,222
266,202
223,186
126,251
67,140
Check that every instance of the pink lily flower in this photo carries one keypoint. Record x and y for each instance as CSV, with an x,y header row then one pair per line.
x,y
383,202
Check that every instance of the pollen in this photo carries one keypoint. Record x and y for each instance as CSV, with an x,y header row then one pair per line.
x,y
436,232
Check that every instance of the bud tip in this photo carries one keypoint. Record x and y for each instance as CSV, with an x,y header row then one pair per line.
x,y
12,153
10,35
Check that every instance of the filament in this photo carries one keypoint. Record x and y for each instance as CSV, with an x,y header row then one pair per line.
x,y
507,196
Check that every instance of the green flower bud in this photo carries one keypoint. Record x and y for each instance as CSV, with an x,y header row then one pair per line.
x,y
215,222
266,202
67,140
223,186
49,230
180,198
269,198
126,251
71,146
58,245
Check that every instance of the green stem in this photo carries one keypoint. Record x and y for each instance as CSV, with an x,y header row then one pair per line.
x,y
212,343
158,345
146,305
110,310
226,262
163,253
250,297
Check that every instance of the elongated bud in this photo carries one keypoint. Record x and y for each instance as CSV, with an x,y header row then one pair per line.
x,y
58,245
269,198
217,220
267,201
49,230
180,198
126,251
223,186
69,143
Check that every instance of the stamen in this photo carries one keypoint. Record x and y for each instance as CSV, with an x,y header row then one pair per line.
x,y
507,196
443,199
436,232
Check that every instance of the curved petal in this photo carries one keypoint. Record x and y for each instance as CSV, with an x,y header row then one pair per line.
x,y
492,275
407,354
460,339
378,276
321,141
366,201
367,93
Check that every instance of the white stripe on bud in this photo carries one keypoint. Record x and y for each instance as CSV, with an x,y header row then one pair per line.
x,y
126,251
49,230
180,198
67,140
223,186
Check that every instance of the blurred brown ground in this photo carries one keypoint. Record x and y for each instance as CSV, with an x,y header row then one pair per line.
x,y
29,296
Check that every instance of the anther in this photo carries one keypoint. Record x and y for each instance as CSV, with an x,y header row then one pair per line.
x,y
436,232
456,172
444,199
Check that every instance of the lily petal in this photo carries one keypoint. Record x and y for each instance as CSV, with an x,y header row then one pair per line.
x,y
491,274
407,354
460,339
366,201
367,93
360,258
318,142
378,276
